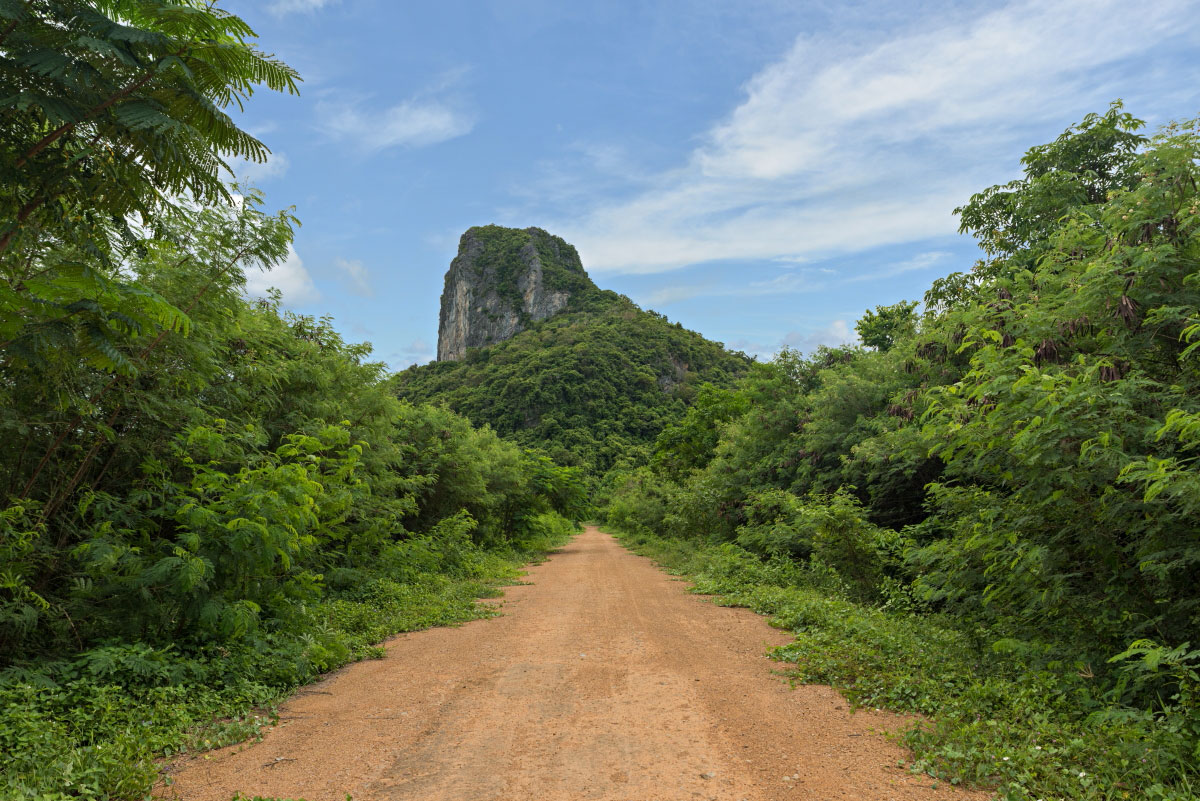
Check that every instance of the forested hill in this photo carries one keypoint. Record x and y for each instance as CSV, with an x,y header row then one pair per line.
x,y
590,382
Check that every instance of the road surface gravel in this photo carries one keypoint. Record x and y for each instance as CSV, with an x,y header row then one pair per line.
x,y
603,680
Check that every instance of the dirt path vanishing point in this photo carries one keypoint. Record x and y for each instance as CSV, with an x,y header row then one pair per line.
x,y
603,680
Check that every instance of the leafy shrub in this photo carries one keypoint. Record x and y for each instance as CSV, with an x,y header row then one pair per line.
x,y
994,720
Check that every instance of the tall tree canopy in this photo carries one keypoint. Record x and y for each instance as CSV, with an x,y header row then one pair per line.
x,y
112,121
116,107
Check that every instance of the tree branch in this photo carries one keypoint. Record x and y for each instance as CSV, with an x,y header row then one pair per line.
x,y
12,26
22,215
61,130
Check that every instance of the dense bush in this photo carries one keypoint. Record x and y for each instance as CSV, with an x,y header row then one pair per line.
x,y
217,486
248,507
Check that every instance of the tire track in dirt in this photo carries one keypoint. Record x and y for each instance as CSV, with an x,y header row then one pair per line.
x,y
603,681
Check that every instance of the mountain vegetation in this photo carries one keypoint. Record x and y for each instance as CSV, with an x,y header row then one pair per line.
x,y
561,268
207,500
987,511
590,386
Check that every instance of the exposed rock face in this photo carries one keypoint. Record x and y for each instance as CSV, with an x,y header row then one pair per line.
x,y
502,281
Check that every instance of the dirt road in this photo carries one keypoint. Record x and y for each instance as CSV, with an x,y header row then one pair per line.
x,y
604,679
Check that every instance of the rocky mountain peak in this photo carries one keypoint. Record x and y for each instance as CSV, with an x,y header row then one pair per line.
x,y
502,281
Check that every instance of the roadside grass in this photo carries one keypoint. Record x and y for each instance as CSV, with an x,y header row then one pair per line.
x,y
101,725
991,720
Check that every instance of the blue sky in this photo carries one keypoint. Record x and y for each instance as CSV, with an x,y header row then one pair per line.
x,y
761,171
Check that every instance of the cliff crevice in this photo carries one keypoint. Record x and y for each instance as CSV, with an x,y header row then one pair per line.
x,y
502,281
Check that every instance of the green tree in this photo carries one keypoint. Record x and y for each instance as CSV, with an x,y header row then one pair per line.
x,y
880,329
1080,376
113,115
115,108
1079,169
690,442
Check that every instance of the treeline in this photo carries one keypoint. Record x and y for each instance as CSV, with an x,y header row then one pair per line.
x,y
588,388
206,500
1010,472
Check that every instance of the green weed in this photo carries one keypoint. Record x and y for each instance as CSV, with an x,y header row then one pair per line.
x,y
992,719
100,726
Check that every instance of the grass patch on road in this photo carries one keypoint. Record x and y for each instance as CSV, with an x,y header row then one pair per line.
x,y
1033,734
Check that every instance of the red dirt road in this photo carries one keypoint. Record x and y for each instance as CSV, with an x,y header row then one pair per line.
x,y
603,680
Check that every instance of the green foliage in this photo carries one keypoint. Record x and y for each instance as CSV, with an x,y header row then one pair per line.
x,y
247,506
585,387
114,108
1064,417
882,328
826,529
776,525
690,443
204,501
1079,170
114,114
95,726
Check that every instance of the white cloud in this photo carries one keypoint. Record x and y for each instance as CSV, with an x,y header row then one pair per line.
x,y
840,146
281,7
291,278
427,118
752,347
836,333
354,277
805,279
667,295
253,172
922,261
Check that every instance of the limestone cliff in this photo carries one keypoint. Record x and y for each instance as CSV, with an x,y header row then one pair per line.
x,y
502,281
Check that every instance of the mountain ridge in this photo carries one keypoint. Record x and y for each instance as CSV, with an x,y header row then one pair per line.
x,y
592,381
502,281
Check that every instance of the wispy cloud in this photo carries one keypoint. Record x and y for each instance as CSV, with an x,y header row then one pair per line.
x,y
417,352
664,296
922,261
436,114
282,7
354,277
291,278
842,146
804,279
408,124
277,164
836,333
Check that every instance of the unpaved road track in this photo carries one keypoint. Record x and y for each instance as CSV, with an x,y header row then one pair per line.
x,y
603,680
